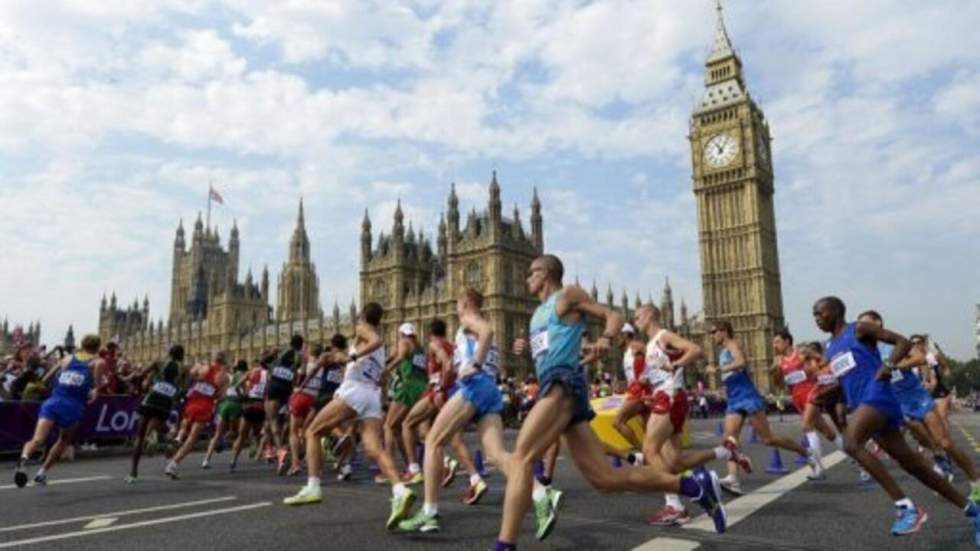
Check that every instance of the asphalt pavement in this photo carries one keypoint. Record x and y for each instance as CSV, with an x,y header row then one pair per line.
x,y
88,506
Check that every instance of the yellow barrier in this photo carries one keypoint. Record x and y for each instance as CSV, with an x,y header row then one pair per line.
x,y
602,425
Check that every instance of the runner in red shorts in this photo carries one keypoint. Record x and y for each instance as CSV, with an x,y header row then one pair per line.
x,y
309,381
637,391
208,384
666,356
801,380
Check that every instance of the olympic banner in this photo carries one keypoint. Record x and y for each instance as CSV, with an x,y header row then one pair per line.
x,y
109,417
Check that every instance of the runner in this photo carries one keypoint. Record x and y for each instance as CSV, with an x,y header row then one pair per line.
x,y
634,363
410,363
359,397
478,399
73,391
745,403
801,380
941,373
229,412
563,408
666,356
253,411
208,384
853,354
158,404
309,384
918,406
279,390
442,385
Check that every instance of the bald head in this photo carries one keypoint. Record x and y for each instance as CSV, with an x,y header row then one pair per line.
x,y
647,318
552,266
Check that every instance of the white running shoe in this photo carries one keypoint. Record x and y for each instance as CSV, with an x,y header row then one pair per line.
x,y
731,485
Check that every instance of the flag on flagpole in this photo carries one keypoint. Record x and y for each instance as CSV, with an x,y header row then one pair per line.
x,y
214,195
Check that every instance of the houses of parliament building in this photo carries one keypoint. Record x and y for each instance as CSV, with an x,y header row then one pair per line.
x,y
417,279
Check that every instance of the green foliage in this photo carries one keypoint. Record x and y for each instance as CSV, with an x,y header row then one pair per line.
x,y
966,376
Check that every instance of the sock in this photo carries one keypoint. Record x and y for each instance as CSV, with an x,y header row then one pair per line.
x,y
475,479
430,509
399,489
414,468
690,488
723,453
839,442
673,501
816,451
544,480
539,492
904,503
41,471
504,546
313,482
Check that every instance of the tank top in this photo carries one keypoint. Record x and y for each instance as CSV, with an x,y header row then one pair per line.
x,y
256,383
285,368
855,363
435,368
792,368
367,369
656,372
75,380
413,368
164,389
630,360
231,395
465,353
314,382
554,343
736,382
205,388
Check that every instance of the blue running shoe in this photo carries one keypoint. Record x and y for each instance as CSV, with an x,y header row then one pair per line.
x,y
908,521
710,499
943,463
975,521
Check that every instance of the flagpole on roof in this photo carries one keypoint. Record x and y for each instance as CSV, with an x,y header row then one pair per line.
x,y
209,205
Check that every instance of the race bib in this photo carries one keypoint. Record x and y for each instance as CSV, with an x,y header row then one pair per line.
x,y
335,376
369,368
435,378
726,374
257,392
419,361
842,364
897,375
164,389
826,378
283,373
204,389
539,343
71,378
490,365
795,377
657,377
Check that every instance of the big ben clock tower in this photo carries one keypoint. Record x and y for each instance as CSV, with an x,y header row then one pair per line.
x,y
733,184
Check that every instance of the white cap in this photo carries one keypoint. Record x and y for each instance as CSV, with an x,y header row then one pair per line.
x,y
406,329
627,328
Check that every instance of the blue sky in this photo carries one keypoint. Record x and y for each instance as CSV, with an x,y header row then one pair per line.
x,y
113,119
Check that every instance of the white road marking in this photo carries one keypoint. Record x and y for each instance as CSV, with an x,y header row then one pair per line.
x,y
668,544
132,525
739,509
100,523
56,482
119,513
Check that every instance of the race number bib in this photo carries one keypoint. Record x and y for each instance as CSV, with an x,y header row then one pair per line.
x,y
335,376
539,343
842,364
826,378
657,377
897,375
283,373
419,361
257,392
369,368
164,389
491,363
71,378
204,389
726,374
795,377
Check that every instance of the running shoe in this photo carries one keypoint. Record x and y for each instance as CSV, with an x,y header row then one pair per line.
x,y
20,476
668,516
475,492
544,517
908,520
269,454
233,467
975,494
635,458
340,445
400,507
380,479
555,497
731,485
171,471
345,472
449,472
975,521
816,471
413,479
309,494
946,468
281,462
710,499
130,479
743,461
206,465
293,471
40,479
421,522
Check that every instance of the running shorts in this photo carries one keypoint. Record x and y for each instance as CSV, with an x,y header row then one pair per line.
x,y
410,391
230,410
481,392
149,412
65,412
200,410
279,390
300,404
916,404
254,412
638,392
573,381
676,408
746,406
364,399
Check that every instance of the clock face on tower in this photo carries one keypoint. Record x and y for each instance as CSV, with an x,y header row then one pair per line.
x,y
720,150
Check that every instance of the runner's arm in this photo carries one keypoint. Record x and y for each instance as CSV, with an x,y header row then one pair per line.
x,y
445,362
690,351
913,359
574,299
484,335
370,340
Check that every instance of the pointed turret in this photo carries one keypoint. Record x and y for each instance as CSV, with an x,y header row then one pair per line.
x,y
179,243
452,215
537,223
70,338
442,241
721,46
610,298
112,302
667,305
723,72
495,207
336,316
102,306
198,226
595,292
365,239
264,289
353,311
299,244
398,228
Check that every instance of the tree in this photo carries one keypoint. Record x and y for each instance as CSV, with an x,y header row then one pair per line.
x,y
966,376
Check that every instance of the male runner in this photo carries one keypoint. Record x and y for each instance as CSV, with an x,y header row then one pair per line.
x,y
853,354
442,385
563,409
279,389
919,408
940,375
478,398
208,384
158,404
410,361
229,412
73,391
309,383
666,356
358,398
745,403
634,363
253,411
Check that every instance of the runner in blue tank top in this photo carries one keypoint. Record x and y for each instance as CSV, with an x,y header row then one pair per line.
x,y
876,413
74,385
745,403
562,407
919,409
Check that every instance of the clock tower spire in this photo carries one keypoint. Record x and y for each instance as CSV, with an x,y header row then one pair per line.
x,y
733,185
